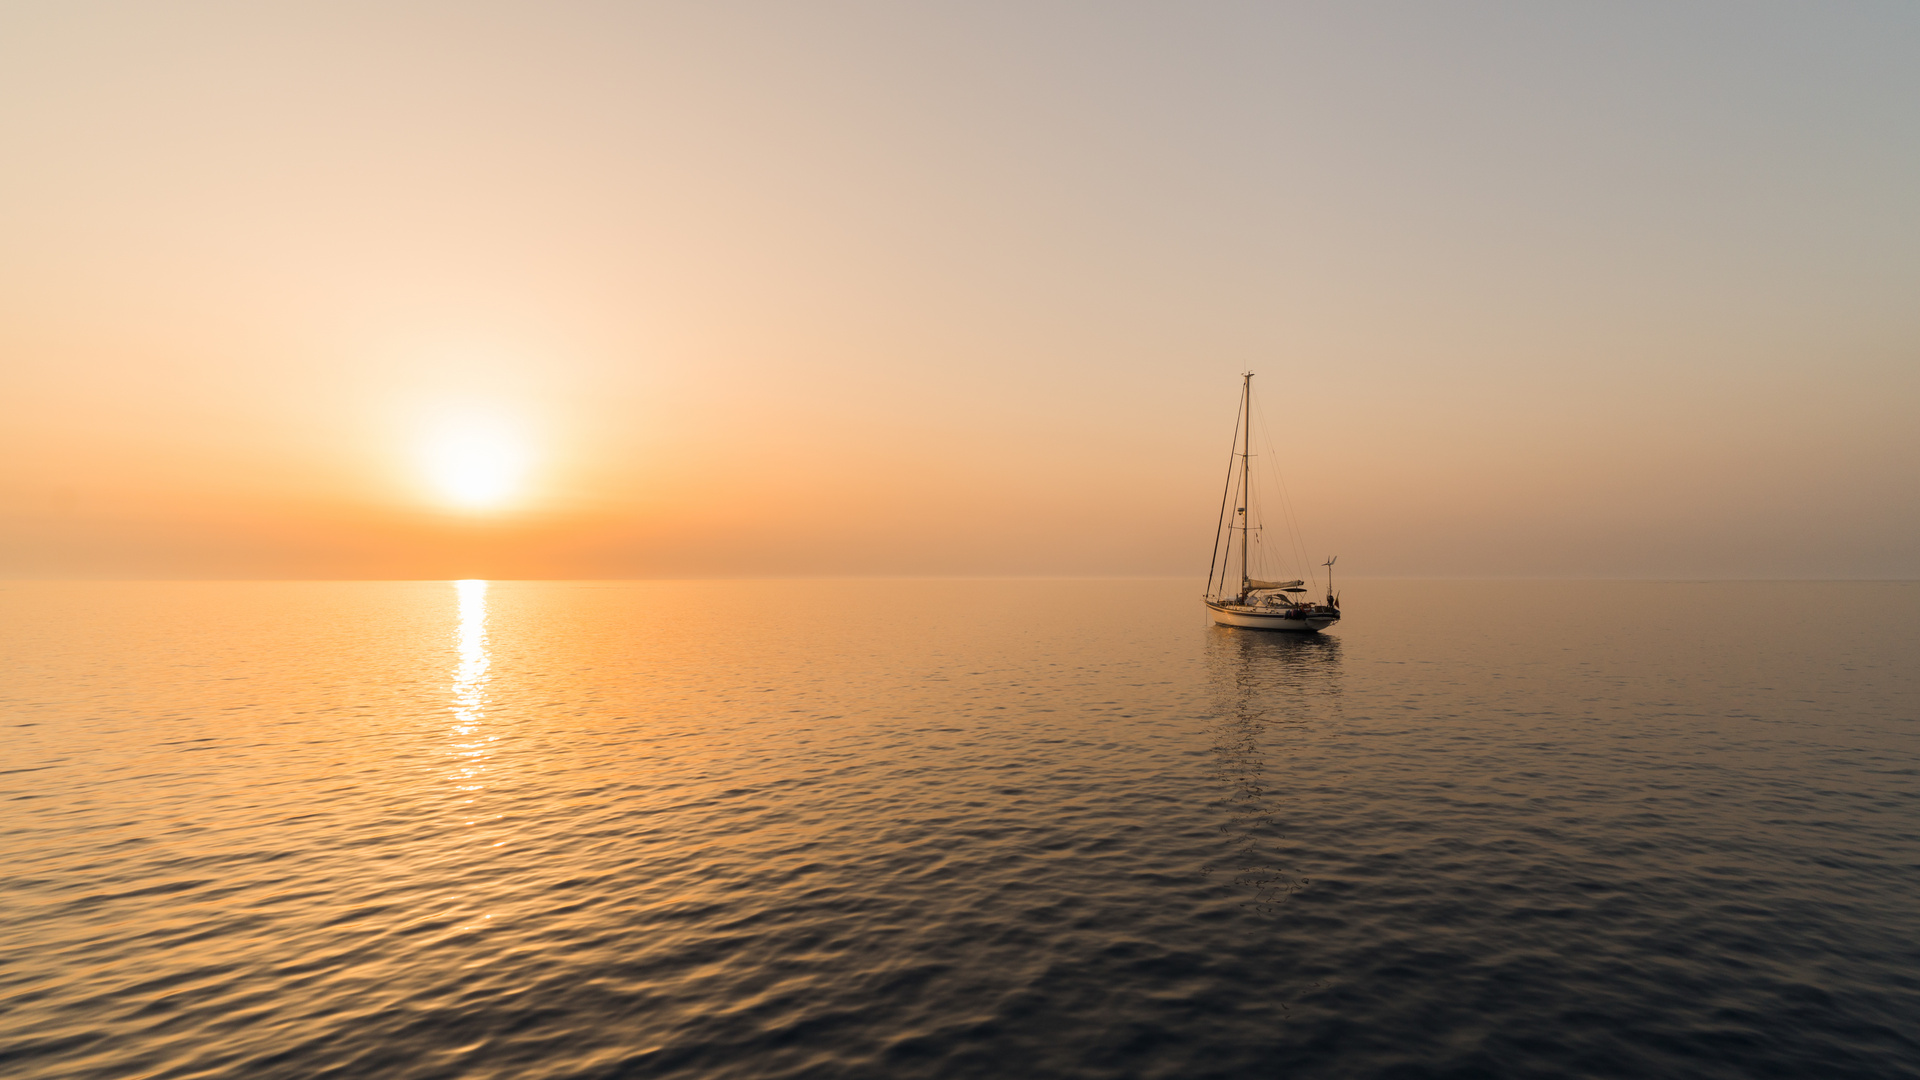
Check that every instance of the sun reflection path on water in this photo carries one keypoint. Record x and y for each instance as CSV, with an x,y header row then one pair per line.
x,y
470,679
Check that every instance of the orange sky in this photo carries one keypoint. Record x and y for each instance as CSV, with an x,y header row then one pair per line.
x,y
956,289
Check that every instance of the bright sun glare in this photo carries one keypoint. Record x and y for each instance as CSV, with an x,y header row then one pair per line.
x,y
475,463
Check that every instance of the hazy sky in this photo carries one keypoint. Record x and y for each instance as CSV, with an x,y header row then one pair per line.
x,y
713,289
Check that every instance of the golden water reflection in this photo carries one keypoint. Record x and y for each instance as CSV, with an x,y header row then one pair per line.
x,y
470,679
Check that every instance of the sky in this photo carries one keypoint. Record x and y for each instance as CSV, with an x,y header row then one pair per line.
x,y
449,290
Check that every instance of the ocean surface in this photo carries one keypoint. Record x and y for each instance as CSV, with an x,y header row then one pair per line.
x,y
539,830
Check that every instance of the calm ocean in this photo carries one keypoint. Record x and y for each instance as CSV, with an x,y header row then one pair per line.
x,y
537,830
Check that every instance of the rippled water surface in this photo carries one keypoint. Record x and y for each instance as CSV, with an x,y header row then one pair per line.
x,y
905,829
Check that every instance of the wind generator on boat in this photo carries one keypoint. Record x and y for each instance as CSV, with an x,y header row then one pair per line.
x,y
1258,602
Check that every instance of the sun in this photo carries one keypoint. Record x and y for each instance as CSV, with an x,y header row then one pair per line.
x,y
475,462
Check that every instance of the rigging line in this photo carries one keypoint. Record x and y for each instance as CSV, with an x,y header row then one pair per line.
x,y
1252,501
1286,511
1286,503
1243,508
1238,482
1221,523
1289,546
1253,514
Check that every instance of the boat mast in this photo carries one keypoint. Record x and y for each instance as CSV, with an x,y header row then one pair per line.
x,y
1246,457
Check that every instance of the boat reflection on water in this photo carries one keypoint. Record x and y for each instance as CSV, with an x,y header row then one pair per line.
x,y
1269,691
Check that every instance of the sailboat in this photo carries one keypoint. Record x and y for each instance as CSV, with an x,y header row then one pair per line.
x,y
1242,599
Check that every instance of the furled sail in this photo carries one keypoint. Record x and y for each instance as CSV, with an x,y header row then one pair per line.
x,y
1256,583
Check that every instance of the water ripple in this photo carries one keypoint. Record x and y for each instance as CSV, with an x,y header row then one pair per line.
x,y
1055,829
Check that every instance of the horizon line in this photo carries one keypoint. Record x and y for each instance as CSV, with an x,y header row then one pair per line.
x,y
1683,580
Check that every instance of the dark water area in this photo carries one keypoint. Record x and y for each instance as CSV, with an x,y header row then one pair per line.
x,y
957,829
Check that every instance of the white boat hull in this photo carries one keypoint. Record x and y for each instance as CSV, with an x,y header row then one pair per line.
x,y
1257,619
